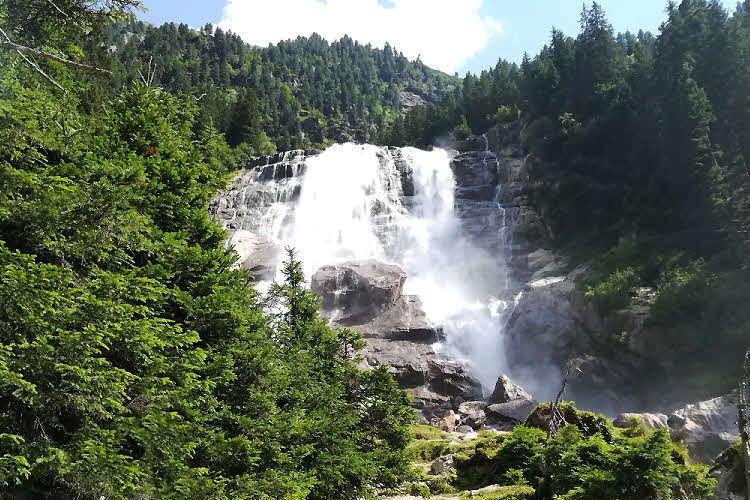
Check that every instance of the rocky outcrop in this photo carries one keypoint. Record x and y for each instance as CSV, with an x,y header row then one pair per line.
x,y
649,421
367,297
357,292
707,428
506,390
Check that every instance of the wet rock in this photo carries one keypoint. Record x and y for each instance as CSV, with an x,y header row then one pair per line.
x,y
358,291
406,320
506,390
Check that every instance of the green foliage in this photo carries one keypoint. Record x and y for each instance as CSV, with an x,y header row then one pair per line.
x,y
462,130
508,493
586,460
294,94
587,467
134,362
419,490
615,292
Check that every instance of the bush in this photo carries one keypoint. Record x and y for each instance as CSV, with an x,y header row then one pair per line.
x,y
462,130
615,292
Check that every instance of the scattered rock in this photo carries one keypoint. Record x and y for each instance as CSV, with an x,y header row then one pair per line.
x,y
506,390
442,465
464,429
447,423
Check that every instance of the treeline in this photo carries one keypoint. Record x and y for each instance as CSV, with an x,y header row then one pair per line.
x,y
134,361
293,94
663,121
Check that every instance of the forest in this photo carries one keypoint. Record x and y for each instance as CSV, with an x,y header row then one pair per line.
x,y
137,362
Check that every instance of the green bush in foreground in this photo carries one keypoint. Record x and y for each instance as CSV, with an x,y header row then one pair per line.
x,y
134,362
588,463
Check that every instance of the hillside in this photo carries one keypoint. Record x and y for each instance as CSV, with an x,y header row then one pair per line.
x,y
299,92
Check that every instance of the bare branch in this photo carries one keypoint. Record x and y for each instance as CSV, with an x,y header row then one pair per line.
x,y
58,9
8,44
30,62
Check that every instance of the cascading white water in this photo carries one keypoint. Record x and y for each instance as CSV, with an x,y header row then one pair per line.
x,y
352,207
343,190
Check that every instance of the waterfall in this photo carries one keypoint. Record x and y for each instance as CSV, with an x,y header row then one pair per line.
x,y
351,204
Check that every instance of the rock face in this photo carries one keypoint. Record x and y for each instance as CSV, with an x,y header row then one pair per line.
x,y
506,390
358,291
708,427
650,421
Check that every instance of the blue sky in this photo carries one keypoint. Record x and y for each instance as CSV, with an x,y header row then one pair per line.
x,y
453,35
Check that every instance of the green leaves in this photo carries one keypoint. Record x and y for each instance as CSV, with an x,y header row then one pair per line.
x,y
135,362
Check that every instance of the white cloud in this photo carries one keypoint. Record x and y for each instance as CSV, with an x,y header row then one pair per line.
x,y
443,32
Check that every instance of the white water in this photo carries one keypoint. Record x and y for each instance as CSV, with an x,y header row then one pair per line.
x,y
352,207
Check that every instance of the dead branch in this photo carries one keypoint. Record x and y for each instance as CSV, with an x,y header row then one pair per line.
x,y
22,49
58,9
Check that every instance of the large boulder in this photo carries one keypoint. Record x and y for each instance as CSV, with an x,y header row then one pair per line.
x,y
358,291
447,423
406,320
472,414
506,390
513,412
442,465
258,254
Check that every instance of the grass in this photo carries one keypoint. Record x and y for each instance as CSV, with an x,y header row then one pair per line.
x,y
506,493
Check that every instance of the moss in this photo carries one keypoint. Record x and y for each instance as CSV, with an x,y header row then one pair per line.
x,y
428,450
427,432
588,422
442,484
507,493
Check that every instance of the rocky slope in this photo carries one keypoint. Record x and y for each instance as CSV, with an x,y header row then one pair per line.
x,y
548,325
